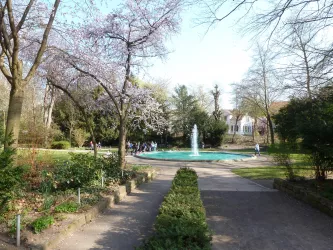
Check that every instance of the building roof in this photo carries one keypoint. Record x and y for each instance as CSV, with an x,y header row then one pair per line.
x,y
276,106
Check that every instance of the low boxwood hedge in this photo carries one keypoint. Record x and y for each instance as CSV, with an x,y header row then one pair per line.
x,y
181,223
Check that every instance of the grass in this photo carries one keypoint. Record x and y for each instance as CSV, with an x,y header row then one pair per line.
x,y
264,173
300,167
58,155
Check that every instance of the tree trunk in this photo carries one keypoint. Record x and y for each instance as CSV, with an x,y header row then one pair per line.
x,y
47,89
122,143
50,108
235,127
271,130
70,135
267,130
14,114
254,128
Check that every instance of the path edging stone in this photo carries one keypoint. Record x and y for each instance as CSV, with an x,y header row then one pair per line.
x,y
313,199
108,201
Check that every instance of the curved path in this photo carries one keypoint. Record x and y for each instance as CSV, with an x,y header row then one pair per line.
x,y
241,213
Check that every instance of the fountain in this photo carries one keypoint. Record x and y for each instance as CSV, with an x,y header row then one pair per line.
x,y
192,155
194,141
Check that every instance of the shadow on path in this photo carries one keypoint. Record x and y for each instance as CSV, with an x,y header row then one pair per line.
x,y
125,225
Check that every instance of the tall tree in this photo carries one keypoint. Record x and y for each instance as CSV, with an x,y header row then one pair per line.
x,y
239,109
185,105
119,43
217,113
269,16
18,21
311,121
263,85
303,49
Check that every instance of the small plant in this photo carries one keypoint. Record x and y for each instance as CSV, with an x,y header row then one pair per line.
x,y
67,207
283,159
48,202
60,145
80,136
139,168
42,223
281,156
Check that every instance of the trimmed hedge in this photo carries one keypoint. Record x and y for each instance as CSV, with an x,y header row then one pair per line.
x,y
181,223
60,145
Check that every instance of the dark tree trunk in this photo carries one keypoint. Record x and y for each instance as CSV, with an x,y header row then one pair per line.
x,y
14,114
122,143
236,123
271,130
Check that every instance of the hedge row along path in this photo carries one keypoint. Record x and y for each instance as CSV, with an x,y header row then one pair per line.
x,y
241,213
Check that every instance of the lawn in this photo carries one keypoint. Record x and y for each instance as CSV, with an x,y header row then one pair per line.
x,y
56,155
300,167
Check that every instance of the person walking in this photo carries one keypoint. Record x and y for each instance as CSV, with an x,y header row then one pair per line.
x,y
257,149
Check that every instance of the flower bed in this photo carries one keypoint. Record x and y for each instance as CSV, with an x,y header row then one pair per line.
x,y
181,223
48,200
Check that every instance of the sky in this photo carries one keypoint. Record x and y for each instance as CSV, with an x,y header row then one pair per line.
x,y
220,56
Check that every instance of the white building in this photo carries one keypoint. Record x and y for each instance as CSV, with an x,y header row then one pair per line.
x,y
244,125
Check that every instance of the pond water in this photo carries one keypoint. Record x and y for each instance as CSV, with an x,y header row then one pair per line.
x,y
187,156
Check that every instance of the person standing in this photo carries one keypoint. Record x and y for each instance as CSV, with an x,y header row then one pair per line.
x,y
257,149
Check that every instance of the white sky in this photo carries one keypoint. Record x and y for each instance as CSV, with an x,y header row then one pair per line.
x,y
220,57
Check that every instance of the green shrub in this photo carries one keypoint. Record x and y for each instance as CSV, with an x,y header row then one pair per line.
x,y
83,170
139,168
79,171
42,223
60,145
67,207
112,171
181,223
11,177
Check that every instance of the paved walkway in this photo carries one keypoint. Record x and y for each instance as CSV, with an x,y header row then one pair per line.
x,y
128,223
241,213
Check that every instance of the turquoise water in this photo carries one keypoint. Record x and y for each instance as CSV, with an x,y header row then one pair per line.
x,y
186,155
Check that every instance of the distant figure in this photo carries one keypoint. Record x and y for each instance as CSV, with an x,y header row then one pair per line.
x,y
91,145
99,145
257,149
107,155
202,145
